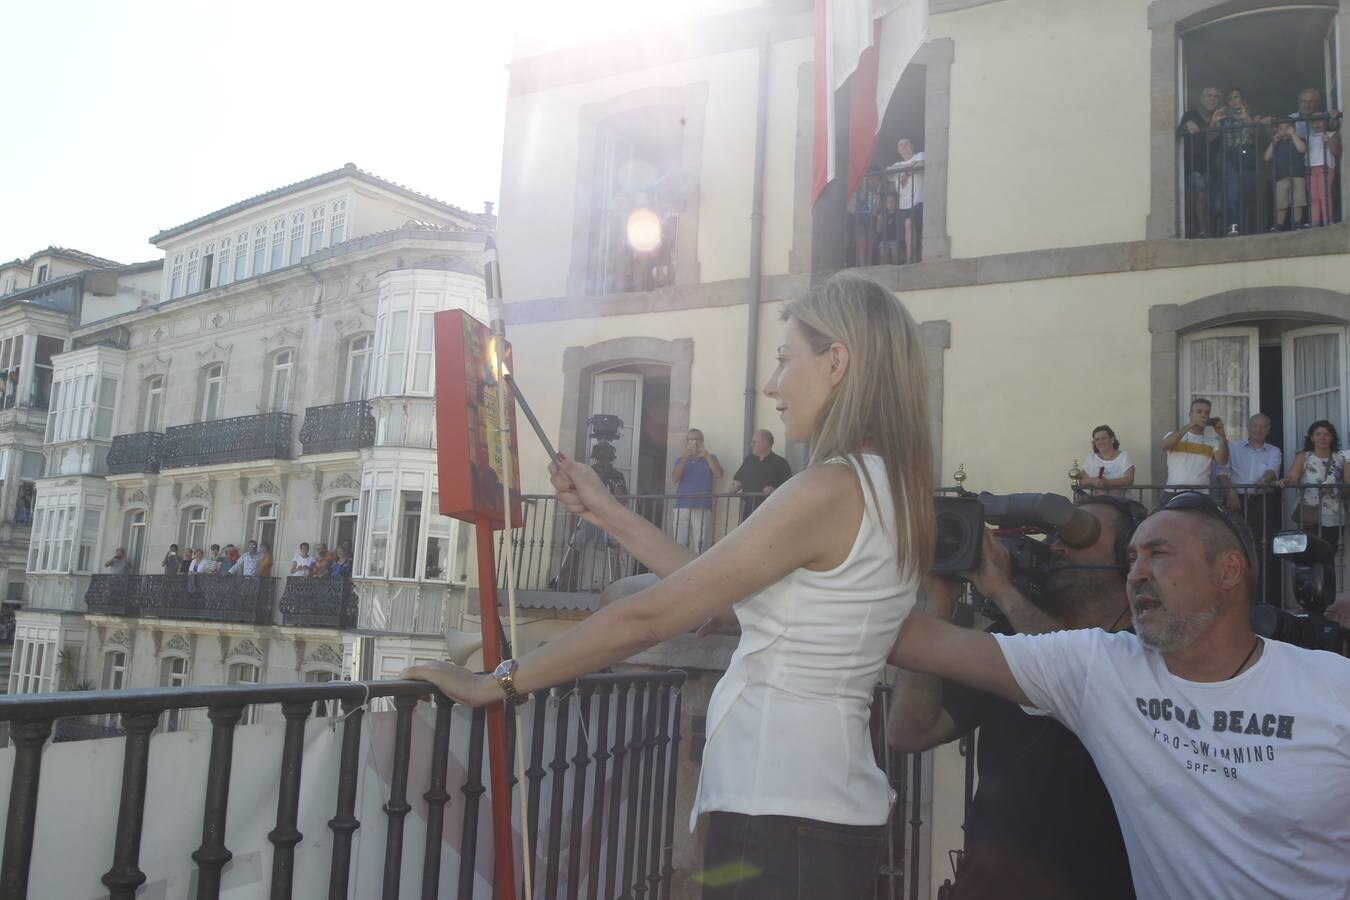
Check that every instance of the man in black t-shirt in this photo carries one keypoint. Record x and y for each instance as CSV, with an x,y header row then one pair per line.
x,y
1041,824
1201,161
760,473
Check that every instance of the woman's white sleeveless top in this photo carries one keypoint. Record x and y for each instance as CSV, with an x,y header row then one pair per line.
x,y
787,728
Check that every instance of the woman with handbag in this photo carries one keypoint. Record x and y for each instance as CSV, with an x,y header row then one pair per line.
x,y
1320,464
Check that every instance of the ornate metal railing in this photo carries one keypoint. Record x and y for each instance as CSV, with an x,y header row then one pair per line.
x,y
617,802
322,602
112,595
266,436
211,598
138,452
338,426
556,551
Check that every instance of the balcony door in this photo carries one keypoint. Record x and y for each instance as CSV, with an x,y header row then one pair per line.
x,y
1222,366
620,394
1315,382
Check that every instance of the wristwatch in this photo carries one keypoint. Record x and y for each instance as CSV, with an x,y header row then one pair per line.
x,y
505,674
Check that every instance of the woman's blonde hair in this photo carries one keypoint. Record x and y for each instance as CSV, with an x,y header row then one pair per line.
x,y
881,402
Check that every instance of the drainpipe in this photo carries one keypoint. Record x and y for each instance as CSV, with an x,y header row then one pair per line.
x,y
756,244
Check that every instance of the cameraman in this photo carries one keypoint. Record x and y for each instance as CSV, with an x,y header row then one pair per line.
x,y
1041,824
1226,756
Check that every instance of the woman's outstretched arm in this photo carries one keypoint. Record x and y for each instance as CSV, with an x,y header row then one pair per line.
x,y
811,521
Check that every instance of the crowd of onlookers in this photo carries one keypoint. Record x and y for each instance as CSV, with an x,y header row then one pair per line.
x,y
255,560
1246,475
1224,147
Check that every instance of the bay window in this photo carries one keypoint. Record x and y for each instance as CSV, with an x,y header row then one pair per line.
x,y
405,343
404,536
65,534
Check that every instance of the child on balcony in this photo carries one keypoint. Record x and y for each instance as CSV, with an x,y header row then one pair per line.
x,y
1323,149
1286,152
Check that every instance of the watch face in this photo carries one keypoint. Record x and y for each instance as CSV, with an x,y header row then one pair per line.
x,y
504,669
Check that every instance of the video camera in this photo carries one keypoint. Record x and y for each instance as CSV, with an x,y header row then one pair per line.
x,y
1017,517
604,429
1313,560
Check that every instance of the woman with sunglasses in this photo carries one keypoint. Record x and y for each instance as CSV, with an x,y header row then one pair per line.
x,y
819,577
1322,467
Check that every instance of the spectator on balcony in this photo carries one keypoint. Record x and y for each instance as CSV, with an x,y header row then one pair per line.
x,y
1324,148
1286,152
186,560
118,565
323,561
1192,450
248,561
171,560
215,561
694,474
231,555
1107,466
1201,160
907,173
302,562
1319,464
265,566
1310,108
1238,133
342,564
760,473
1253,461
198,566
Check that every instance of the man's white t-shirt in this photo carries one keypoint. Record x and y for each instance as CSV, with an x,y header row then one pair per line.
x,y
1115,468
1190,462
909,194
1233,789
302,564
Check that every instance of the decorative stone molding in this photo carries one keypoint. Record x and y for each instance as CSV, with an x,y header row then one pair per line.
x,y
326,654
155,365
177,642
215,352
266,486
121,637
138,496
344,482
247,647
197,492
282,337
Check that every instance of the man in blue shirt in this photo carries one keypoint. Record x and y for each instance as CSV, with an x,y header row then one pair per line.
x,y
693,475
1255,462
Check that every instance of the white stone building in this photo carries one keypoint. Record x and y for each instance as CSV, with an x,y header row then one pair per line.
x,y
280,391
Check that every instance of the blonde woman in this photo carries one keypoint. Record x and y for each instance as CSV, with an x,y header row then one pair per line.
x,y
820,578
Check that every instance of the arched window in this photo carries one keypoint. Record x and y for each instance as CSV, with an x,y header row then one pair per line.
x,y
278,244
192,278
357,380
134,538
316,224
176,277
223,263
173,673
279,393
152,405
212,389
241,256
245,673
265,524
194,527
259,249
297,237
343,525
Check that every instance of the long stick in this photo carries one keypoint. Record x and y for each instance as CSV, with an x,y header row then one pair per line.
x,y
504,436
496,717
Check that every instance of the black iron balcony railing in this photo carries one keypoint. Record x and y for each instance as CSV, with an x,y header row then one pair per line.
x,y
211,598
133,453
112,595
1252,175
613,799
337,426
322,602
1267,510
555,550
244,438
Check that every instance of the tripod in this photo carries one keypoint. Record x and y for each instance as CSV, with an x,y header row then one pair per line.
x,y
584,533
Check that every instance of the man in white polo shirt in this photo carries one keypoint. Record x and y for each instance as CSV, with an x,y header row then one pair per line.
x,y
1226,756
1194,448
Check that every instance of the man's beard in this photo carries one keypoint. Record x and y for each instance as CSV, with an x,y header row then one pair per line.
x,y
1078,588
1164,630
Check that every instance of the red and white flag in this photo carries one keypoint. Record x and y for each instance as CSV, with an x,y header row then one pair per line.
x,y
870,41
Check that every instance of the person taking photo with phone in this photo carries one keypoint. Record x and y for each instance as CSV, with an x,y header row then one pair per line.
x,y
694,475
1194,448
